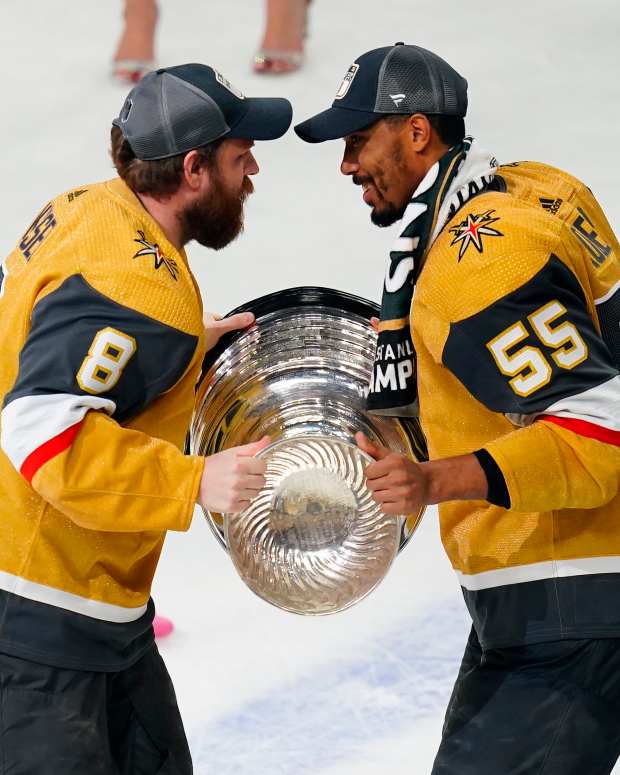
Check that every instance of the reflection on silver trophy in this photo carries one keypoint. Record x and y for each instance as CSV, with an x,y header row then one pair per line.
x,y
313,541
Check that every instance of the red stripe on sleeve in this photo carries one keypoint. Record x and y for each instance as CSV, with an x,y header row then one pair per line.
x,y
585,428
47,451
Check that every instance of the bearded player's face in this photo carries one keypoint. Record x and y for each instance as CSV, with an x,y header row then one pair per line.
x,y
378,160
215,217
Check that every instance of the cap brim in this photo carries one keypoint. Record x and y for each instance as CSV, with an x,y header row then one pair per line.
x,y
266,118
334,123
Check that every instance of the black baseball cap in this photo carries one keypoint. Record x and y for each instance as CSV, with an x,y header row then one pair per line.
x,y
175,109
399,79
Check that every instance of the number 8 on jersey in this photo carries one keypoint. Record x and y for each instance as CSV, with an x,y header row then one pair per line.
x,y
107,357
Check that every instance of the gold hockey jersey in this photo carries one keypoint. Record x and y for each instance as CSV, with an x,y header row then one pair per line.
x,y
515,323
102,343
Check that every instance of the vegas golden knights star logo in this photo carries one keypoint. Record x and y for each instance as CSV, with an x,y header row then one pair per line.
x,y
472,229
153,249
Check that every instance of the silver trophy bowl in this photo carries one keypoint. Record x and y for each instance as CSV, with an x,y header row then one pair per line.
x,y
313,541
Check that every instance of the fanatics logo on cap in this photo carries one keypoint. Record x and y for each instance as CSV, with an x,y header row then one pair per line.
x,y
397,98
347,81
228,85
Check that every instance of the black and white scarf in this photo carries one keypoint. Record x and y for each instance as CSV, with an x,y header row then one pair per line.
x,y
464,171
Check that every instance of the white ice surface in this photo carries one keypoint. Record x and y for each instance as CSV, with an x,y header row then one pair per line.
x,y
263,692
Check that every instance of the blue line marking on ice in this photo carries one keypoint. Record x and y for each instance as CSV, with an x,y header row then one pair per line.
x,y
398,678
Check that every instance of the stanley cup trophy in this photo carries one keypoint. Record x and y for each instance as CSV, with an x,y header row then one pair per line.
x,y
313,541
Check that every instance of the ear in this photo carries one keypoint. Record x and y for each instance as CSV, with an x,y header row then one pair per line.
x,y
193,171
420,131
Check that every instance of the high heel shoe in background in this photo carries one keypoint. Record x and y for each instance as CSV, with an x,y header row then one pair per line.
x,y
281,15
134,56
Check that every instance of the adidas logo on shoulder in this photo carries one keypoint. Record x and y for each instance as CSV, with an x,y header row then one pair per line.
x,y
74,194
551,205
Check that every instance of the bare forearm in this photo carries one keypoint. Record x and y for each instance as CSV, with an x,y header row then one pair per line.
x,y
455,479
402,486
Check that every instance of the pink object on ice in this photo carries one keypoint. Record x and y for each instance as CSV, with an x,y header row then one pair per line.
x,y
162,626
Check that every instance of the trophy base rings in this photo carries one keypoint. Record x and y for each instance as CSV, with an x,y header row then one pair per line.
x,y
313,541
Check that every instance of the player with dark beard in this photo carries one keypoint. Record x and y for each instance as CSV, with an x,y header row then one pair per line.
x,y
217,219
103,342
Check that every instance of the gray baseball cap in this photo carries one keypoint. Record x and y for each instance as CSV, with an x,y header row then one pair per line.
x,y
175,109
399,79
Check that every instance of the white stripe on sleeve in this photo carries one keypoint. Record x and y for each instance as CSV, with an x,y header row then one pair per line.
x,y
41,593
599,405
539,571
28,422
611,292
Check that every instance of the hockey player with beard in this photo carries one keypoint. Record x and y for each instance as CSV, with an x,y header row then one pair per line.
x,y
509,349
103,341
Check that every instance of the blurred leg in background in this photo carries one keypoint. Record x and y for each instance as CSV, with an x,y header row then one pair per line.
x,y
282,46
135,54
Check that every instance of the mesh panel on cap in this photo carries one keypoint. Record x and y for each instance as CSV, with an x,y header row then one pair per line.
x,y
170,116
405,86
144,125
415,80
451,102
194,120
454,88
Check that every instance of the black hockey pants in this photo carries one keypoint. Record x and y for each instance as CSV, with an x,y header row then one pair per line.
x,y
71,722
544,709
